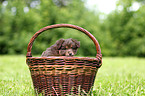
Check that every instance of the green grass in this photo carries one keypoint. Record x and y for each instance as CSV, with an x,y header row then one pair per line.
x,y
121,77
15,78
118,76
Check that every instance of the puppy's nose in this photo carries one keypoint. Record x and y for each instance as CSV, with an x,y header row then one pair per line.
x,y
70,54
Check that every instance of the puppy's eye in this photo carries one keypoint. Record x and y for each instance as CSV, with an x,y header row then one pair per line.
x,y
74,48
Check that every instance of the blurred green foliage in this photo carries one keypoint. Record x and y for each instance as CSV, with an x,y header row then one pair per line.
x,y
121,33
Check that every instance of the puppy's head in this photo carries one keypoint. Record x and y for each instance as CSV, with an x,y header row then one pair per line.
x,y
67,47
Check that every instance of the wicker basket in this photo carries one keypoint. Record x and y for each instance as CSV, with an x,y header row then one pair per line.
x,y
60,75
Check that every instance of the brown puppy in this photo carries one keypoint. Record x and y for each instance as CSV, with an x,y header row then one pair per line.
x,y
62,47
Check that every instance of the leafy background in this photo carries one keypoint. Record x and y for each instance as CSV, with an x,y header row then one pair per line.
x,y
120,33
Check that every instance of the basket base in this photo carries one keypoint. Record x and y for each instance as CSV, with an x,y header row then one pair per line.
x,y
62,85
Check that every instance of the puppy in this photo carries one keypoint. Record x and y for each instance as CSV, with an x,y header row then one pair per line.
x,y
62,47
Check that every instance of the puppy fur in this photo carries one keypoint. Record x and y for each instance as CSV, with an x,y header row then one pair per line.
x,y
62,47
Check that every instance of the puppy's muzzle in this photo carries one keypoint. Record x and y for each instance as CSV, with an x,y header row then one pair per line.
x,y
69,52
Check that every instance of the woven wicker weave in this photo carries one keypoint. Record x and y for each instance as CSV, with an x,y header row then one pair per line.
x,y
60,75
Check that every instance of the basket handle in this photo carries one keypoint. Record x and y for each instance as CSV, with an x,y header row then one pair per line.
x,y
68,26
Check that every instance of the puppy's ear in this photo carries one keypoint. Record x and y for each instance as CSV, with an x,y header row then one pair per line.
x,y
59,43
77,43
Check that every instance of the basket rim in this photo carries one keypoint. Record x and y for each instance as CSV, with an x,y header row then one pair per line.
x,y
64,57
98,61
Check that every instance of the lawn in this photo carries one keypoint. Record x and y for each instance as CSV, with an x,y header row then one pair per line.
x,y
118,76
